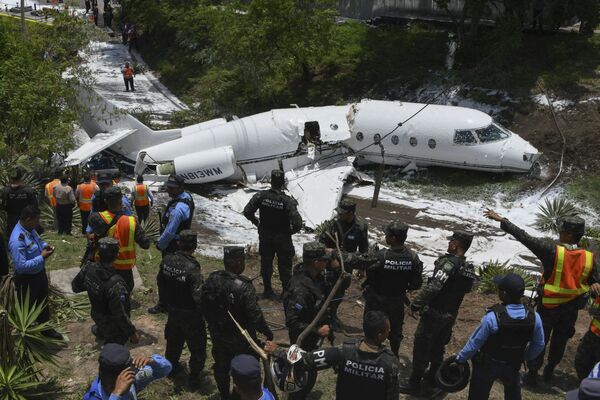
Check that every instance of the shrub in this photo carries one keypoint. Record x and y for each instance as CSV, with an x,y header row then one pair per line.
x,y
552,211
492,268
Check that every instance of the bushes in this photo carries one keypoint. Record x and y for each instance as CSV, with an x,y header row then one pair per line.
x,y
491,269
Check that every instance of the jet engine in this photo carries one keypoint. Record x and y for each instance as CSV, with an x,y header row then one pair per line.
x,y
202,166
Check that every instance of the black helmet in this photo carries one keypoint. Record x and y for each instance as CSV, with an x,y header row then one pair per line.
x,y
108,249
452,377
288,377
277,178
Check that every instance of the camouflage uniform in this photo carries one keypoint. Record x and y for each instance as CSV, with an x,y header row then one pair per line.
x,y
588,354
559,322
439,302
279,220
109,298
353,238
225,291
182,293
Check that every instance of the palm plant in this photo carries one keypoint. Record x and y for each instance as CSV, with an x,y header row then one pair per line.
x,y
31,346
553,211
21,384
151,227
7,345
7,291
491,269
67,308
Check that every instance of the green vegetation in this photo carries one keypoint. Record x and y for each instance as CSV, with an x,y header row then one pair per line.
x,y
37,106
586,189
491,269
552,212
454,184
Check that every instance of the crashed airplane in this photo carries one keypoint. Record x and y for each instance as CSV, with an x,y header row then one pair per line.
x,y
308,141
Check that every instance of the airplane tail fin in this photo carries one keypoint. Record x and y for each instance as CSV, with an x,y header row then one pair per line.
x,y
98,115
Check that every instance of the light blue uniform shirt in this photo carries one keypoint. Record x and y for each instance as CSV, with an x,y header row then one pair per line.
x,y
176,214
161,368
26,250
489,326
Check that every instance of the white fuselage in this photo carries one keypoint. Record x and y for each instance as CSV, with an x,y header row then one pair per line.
x,y
435,135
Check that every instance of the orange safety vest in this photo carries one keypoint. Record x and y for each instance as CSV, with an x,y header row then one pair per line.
x,y
50,191
595,325
128,72
86,192
141,195
124,232
570,274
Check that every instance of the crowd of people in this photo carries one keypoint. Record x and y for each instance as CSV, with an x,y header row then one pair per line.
x,y
225,304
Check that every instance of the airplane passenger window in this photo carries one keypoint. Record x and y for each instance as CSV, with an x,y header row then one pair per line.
x,y
464,137
491,134
413,141
395,139
359,136
431,144
377,138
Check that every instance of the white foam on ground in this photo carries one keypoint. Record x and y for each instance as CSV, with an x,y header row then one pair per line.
x,y
105,61
491,244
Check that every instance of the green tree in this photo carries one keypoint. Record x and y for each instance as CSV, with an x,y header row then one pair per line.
x,y
37,100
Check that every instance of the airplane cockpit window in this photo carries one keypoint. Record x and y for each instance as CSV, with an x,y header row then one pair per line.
x,y
491,133
464,137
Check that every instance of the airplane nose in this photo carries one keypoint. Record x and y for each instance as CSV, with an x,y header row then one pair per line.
x,y
519,154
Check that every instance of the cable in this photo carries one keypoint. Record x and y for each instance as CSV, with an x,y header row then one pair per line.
x,y
564,140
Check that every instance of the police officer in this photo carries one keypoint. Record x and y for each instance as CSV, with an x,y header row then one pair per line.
x,y
183,293
245,372
302,301
114,223
397,270
108,294
228,290
509,334
569,272
279,220
29,253
353,238
178,216
14,198
366,367
438,302
588,351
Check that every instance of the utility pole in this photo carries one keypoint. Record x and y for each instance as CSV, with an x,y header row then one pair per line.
x,y
23,18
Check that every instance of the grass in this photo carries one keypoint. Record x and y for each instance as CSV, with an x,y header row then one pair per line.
x,y
460,185
585,189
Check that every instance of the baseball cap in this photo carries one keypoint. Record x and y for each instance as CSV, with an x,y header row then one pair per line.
x,y
314,250
510,283
589,389
346,206
464,237
396,228
114,358
104,178
572,224
245,368
277,177
174,181
233,252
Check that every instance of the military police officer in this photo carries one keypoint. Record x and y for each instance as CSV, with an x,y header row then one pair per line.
x,y
108,294
228,291
279,220
569,273
303,300
438,302
397,270
183,293
366,367
178,217
353,238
